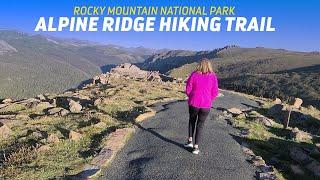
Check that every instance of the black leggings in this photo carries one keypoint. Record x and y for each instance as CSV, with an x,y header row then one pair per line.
x,y
201,115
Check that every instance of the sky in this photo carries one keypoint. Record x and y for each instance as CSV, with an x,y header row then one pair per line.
x,y
296,21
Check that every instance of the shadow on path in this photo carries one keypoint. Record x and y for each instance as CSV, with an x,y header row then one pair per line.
x,y
161,137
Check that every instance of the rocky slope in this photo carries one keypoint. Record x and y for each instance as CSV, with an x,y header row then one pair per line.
x,y
57,134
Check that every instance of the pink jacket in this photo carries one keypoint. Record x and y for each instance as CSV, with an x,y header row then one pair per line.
x,y
202,89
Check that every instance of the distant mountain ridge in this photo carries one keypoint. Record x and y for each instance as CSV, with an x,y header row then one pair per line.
x,y
259,71
32,64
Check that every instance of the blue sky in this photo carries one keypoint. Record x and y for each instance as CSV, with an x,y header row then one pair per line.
x,y
297,23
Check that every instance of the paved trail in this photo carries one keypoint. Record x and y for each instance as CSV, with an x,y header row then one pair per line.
x,y
156,149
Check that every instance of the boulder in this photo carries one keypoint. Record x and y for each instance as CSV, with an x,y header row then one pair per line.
x,y
5,131
53,138
44,148
277,101
300,136
258,161
234,111
53,111
296,169
296,103
6,101
74,107
265,121
41,97
74,136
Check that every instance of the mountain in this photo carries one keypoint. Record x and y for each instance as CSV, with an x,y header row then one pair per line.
x,y
33,64
259,71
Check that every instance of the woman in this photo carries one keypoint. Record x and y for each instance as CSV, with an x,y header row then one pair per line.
x,y
201,89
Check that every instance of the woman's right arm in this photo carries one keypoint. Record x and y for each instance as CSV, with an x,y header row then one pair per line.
x,y
189,85
215,88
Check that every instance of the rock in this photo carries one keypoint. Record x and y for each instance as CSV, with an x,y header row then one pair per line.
x,y
6,101
318,145
296,103
258,161
312,108
234,111
22,117
220,95
53,111
41,97
74,106
265,168
37,135
5,131
64,112
75,136
53,138
247,151
100,125
7,116
241,116
277,101
265,121
44,148
296,169
300,136
266,176
150,113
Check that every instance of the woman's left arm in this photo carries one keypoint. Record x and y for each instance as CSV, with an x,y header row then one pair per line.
x,y
189,85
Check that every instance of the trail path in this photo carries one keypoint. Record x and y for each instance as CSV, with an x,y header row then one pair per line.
x,y
156,149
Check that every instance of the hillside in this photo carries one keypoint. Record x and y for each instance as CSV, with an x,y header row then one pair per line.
x,y
33,64
52,136
259,71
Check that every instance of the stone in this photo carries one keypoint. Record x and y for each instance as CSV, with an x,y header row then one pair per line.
x,y
53,138
277,101
41,97
6,101
74,107
266,176
64,112
22,117
44,148
74,136
247,151
100,125
318,145
150,113
115,142
5,131
37,135
296,169
296,103
241,116
265,121
258,161
220,95
234,111
300,136
53,111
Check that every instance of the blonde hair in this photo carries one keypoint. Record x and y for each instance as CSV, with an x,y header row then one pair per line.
x,y
204,66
